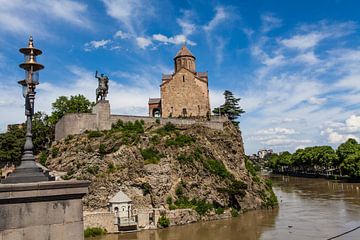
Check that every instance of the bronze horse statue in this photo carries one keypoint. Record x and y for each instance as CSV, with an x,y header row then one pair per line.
x,y
103,87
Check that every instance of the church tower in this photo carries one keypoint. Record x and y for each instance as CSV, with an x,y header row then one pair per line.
x,y
184,59
184,93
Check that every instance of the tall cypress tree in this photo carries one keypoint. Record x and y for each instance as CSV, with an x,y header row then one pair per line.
x,y
230,108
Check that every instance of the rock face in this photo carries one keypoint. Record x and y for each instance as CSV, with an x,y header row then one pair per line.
x,y
159,166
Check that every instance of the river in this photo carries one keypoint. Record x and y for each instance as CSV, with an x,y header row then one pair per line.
x,y
308,209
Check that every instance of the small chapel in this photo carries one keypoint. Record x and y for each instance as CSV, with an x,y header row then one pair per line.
x,y
185,92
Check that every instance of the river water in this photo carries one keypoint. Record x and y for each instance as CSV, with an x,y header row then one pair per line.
x,y
308,209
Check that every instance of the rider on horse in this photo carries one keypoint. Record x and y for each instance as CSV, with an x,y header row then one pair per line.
x,y
103,87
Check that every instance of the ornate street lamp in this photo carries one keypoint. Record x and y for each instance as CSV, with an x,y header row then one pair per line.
x,y
28,171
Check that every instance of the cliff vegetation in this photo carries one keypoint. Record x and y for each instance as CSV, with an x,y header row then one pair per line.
x,y
166,166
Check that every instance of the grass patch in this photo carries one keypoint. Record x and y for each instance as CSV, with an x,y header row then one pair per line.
x,y
217,167
166,129
130,131
95,231
151,155
253,169
94,134
180,141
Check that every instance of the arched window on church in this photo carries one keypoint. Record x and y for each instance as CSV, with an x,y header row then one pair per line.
x,y
183,78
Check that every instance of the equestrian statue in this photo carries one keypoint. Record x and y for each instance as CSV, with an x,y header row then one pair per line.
x,y
103,87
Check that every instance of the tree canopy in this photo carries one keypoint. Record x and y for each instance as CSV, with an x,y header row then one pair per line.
x,y
345,160
74,104
43,128
230,108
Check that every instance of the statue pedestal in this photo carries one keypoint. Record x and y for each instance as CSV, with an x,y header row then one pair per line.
x,y
42,210
102,111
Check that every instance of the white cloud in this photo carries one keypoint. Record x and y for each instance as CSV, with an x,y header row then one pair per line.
x,y
270,22
308,57
143,42
130,13
177,39
353,123
285,142
275,131
220,16
122,35
317,101
22,17
303,42
187,27
339,132
96,44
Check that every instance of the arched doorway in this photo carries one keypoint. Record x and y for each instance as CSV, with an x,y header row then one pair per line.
x,y
156,112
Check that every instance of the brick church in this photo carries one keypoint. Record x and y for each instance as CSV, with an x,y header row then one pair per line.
x,y
184,93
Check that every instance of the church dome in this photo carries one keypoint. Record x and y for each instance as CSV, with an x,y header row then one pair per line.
x,y
184,52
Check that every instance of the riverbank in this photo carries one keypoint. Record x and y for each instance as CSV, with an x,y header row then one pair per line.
x,y
317,175
308,209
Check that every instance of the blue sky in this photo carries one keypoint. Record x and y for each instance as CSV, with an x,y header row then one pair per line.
x,y
295,64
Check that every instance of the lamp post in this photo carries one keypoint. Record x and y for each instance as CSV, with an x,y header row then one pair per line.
x,y
28,171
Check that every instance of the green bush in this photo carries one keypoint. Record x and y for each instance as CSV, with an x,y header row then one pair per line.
x,y
111,168
179,191
180,141
219,210
151,155
268,183
256,179
182,158
94,134
251,167
102,149
54,152
135,127
146,188
95,231
157,121
202,207
166,129
217,168
169,200
234,212
164,222
129,131
93,169
43,158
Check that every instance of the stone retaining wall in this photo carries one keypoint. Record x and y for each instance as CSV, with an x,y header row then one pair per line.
x,y
100,219
100,119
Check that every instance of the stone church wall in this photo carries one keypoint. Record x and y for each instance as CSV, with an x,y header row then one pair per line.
x,y
185,91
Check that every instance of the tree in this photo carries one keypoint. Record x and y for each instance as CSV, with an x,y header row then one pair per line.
x,y
63,105
12,144
43,132
347,148
230,108
351,165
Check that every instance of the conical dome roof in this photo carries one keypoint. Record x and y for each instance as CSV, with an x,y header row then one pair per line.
x,y
184,52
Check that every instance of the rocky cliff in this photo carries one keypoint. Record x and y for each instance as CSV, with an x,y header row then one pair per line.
x,y
163,166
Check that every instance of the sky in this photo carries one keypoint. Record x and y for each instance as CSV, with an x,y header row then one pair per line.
x,y
294,64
